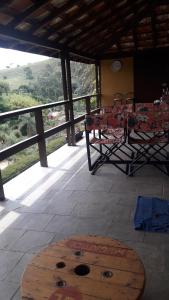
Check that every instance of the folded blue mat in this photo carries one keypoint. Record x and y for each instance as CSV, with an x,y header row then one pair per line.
x,y
152,214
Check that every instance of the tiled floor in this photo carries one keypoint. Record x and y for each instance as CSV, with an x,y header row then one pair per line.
x,y
47,204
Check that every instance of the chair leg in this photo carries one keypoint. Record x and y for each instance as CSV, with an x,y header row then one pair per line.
x,y
167,164
131,166
88,151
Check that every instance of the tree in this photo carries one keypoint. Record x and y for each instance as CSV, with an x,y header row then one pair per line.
x,y
24,89
28,73
4,88
16,101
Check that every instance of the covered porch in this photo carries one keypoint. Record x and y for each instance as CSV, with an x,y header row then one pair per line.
x,y
58,197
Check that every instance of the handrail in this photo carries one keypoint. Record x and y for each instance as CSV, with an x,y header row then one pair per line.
x,y
42,134
84,97
5,153
13,149
21,111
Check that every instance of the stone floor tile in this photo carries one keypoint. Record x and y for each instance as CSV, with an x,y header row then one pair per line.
x,y
150,189
9,236
100,183
8,260
155,238
32,240
156,287
16,273
126,199
32,221
61,203
77,182
17,295
103,210
8,290
166,190
94,197
151,255
63,224
124,232
67,225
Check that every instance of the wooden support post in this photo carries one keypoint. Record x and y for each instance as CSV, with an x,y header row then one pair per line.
x,y
41,142
88,105
97,85
65,95
69,89
2,195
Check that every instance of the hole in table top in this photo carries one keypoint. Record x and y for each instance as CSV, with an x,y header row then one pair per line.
x,y
82,270
61,283
78,253
60,265
107,274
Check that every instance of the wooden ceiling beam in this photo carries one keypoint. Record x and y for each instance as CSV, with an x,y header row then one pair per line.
x,y
4,3
73,19
97,29
116,25
150,51
154,31
102,22
56,12
99,21
21,36
135,39
22,16
79,24
141,13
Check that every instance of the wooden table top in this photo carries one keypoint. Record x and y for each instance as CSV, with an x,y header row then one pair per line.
x,y
84,268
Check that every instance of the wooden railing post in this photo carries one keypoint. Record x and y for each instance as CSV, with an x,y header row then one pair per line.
x,y
2,195
97,84
65,95
41,142
69,89
88,108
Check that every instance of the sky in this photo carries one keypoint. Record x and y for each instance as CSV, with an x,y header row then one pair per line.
x,y
12,58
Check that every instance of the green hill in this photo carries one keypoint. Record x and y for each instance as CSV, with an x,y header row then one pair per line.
x,y
17,76
44,79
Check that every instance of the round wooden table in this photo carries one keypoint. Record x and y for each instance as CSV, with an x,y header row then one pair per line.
x,y
84,268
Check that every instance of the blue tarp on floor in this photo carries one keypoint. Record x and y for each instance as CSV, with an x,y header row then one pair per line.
x,y
152,214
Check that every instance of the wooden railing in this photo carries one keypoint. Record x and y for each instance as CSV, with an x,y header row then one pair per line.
x,y
41,134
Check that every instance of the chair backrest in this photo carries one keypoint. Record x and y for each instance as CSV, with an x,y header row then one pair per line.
x,y
123,108
105,121
129,98
164,107
117,108
145,107
118,98
163,117
150,121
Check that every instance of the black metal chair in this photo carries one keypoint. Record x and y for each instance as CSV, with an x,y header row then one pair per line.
x,y
106,134
148,137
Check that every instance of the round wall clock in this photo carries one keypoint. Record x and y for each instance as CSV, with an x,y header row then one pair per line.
x,y
116,65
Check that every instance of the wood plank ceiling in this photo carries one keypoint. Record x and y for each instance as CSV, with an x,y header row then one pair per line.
x,y
91,28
